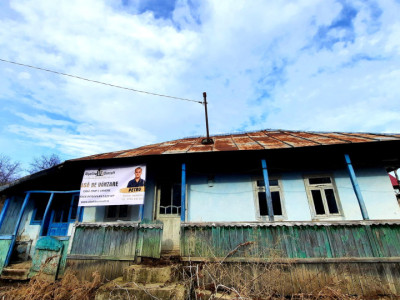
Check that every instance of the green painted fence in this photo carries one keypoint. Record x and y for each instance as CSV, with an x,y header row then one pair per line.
x,y
291,240
116,241
5,243
108,248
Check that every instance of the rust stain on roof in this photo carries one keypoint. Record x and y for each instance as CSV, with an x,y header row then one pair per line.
x,y
201,148
347,138
372,136
293,141
259,140
318,138
224,143
269,143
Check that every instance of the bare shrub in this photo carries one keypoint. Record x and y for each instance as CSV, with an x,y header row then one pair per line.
x,y
69,287
269,275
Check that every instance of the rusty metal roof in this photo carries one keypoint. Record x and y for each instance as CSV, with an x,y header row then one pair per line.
x,y
257,140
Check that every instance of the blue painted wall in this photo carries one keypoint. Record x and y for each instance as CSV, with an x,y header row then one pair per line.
x,y
230,199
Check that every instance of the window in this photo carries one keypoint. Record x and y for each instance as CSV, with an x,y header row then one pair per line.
x,y
39,206
277,199
169,199
117,212
323,197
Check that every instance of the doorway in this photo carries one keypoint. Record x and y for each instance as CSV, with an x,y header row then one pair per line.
x,y
168,210
64,210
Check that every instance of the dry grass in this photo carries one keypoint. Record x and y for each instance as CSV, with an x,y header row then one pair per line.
x,y
277,278
69,287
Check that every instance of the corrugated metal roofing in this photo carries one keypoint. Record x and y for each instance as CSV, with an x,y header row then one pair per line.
x,y
258,140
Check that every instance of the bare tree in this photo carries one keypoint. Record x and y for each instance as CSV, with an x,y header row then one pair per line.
x,y
9,170
44,162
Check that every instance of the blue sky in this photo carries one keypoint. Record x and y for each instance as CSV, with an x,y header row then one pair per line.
x,y
300,65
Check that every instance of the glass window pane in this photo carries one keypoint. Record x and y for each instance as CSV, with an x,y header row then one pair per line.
x,y
319,180
57,216
273,182
176,197
123,211
111,212
74,208
65,210
165,199
317,198
40,208
262,204
330,198
276,203
260,182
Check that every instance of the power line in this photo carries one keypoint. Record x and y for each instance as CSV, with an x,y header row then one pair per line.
x,y
99,82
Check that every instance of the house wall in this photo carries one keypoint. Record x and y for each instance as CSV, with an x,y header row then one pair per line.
x,y
27,232
378,193
232,198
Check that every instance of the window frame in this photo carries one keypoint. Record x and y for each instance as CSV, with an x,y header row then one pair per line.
x,y
35,208
279,189
158,199
117,217
322,186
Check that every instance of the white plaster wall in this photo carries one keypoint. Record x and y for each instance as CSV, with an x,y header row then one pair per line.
x,y
378,193
295,197
347,196
230,199
26,231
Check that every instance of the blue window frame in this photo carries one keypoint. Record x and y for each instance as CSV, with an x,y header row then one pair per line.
x,y
39,206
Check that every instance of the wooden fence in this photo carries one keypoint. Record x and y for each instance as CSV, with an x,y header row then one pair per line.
x,y
297,240
360,258
109,247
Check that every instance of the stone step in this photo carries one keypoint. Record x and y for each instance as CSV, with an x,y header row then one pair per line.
x,y
19,271
15,274
149,274
118,289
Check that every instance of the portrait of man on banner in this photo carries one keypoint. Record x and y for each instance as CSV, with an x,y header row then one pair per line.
x,y
137,181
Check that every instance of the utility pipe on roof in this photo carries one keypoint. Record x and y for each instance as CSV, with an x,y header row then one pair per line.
x,y
356,187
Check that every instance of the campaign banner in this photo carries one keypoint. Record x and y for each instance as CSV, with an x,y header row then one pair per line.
x,y
113,186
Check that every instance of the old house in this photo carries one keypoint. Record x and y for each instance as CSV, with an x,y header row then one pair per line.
x,y
321,199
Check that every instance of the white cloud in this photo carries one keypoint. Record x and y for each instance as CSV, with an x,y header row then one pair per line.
x,y
260,62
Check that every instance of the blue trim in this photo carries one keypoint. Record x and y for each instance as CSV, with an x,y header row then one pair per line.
x,y
70,209
356,187
183,193
80,213
38,222
4,211
21,213
267,190
46,212
6,237
141,212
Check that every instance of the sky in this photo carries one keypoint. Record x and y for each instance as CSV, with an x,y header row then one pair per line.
x,y
295,65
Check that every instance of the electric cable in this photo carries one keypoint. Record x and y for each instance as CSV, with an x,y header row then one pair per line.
x,y
100,82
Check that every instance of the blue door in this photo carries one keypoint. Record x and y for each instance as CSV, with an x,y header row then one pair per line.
x,y
63,212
